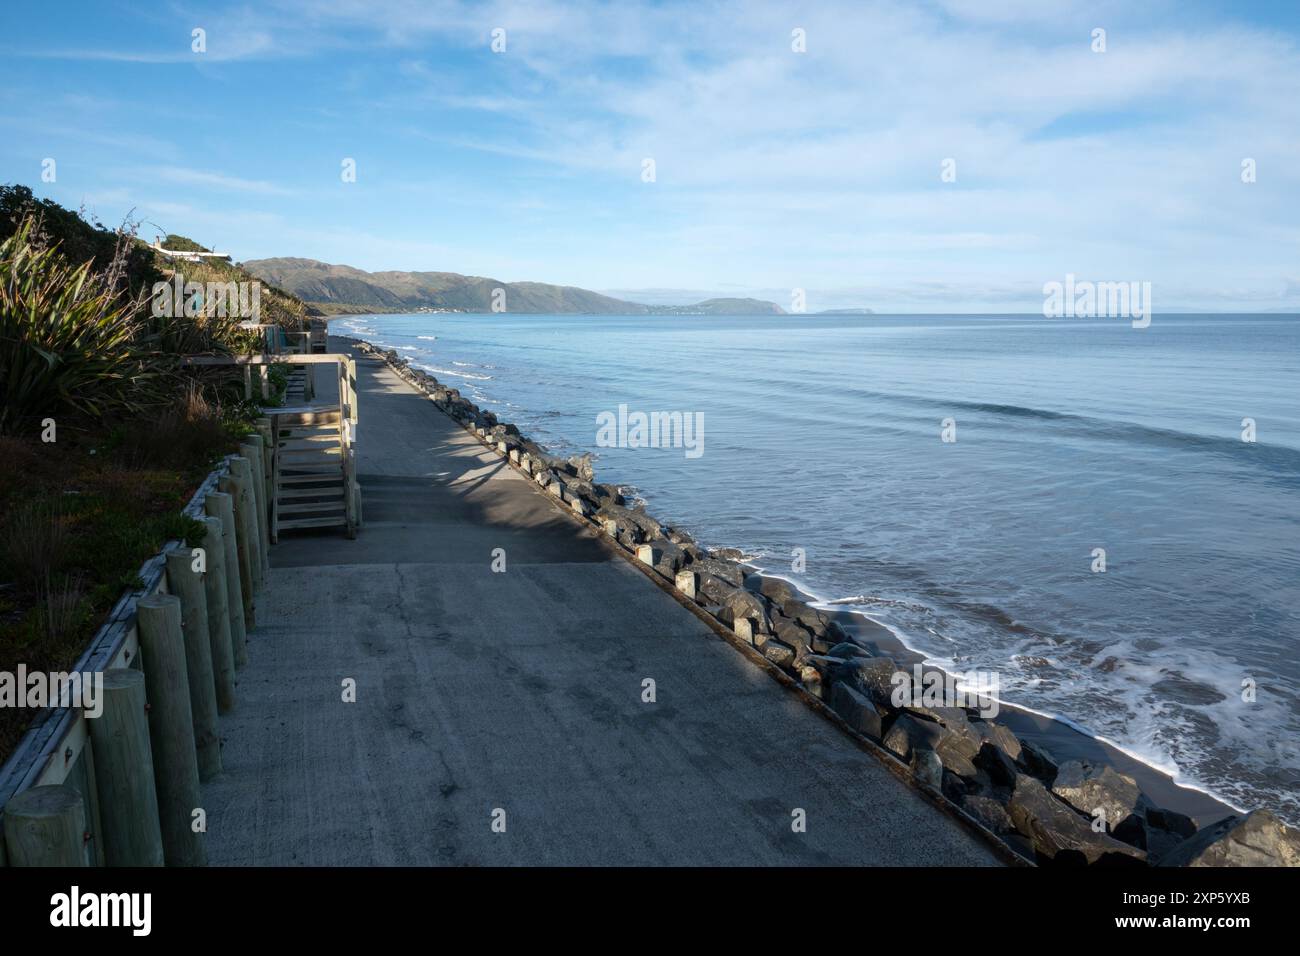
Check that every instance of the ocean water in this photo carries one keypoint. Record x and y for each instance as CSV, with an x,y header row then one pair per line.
x,y
825,434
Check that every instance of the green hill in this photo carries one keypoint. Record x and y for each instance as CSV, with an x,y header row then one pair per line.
x,y
343,289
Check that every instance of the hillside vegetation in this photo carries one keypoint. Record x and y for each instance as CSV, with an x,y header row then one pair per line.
x,y
104,434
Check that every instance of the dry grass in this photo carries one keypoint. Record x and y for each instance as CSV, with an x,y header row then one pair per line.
x,y
34,543
62,606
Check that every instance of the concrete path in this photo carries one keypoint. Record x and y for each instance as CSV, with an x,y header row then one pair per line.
x,y
520,691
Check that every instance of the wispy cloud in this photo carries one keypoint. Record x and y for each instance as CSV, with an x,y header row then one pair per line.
x,y
774,169
201,177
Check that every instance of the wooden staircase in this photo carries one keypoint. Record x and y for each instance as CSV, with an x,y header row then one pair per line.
x,y
312,440
313,472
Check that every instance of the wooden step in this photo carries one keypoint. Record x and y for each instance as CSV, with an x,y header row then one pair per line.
x,y
298,415
321,428
328,507
330,475
313,523
291,494
307,442
293,457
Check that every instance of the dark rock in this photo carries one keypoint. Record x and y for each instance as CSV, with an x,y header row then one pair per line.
x,y
1037,761
782,655
609,494
856,710
665,557
989,812
581,465
874,677
995,762
646,527
927,768
806,614
777,590
1003,737
1171,821
847,649
741,603
691,550
1059,835
907,734
1257,839
712,589
1092,790
972,781
728,571
791,633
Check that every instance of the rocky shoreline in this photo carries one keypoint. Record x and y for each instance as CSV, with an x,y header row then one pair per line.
x,y
1053,812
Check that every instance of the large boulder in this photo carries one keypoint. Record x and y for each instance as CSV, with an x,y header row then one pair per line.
x,y
856,710
994,761
647,529
727,571
1257,839
989,812
581,465
928,768
1037,761
907,734
818,622
776,590
1060,835
1099,792
664,556
782,655
727,554
740,603
792,633
874,677
712,589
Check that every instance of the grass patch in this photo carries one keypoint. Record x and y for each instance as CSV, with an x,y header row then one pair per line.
x,y
80,517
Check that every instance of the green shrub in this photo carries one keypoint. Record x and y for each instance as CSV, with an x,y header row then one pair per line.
x,y
66,341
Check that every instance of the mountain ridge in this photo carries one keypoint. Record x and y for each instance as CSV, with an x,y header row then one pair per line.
x,y
341,289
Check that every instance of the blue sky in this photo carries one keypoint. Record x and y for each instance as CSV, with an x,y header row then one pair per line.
x,y
774,170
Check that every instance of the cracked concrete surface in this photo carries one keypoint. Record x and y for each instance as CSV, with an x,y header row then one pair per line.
x,y
519,691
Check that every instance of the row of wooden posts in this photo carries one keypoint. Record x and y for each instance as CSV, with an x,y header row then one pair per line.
x,y
157,737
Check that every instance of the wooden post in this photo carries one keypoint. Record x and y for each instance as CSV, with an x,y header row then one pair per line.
x,y
217,592
219,505
238,493
128,803
268,454
241,470
253,449
46,826
171,727
187,584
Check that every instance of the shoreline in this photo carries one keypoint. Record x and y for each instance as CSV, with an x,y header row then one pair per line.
x,y
1057,734
1048,820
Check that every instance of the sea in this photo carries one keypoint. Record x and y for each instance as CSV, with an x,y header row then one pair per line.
x,y
1105,516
